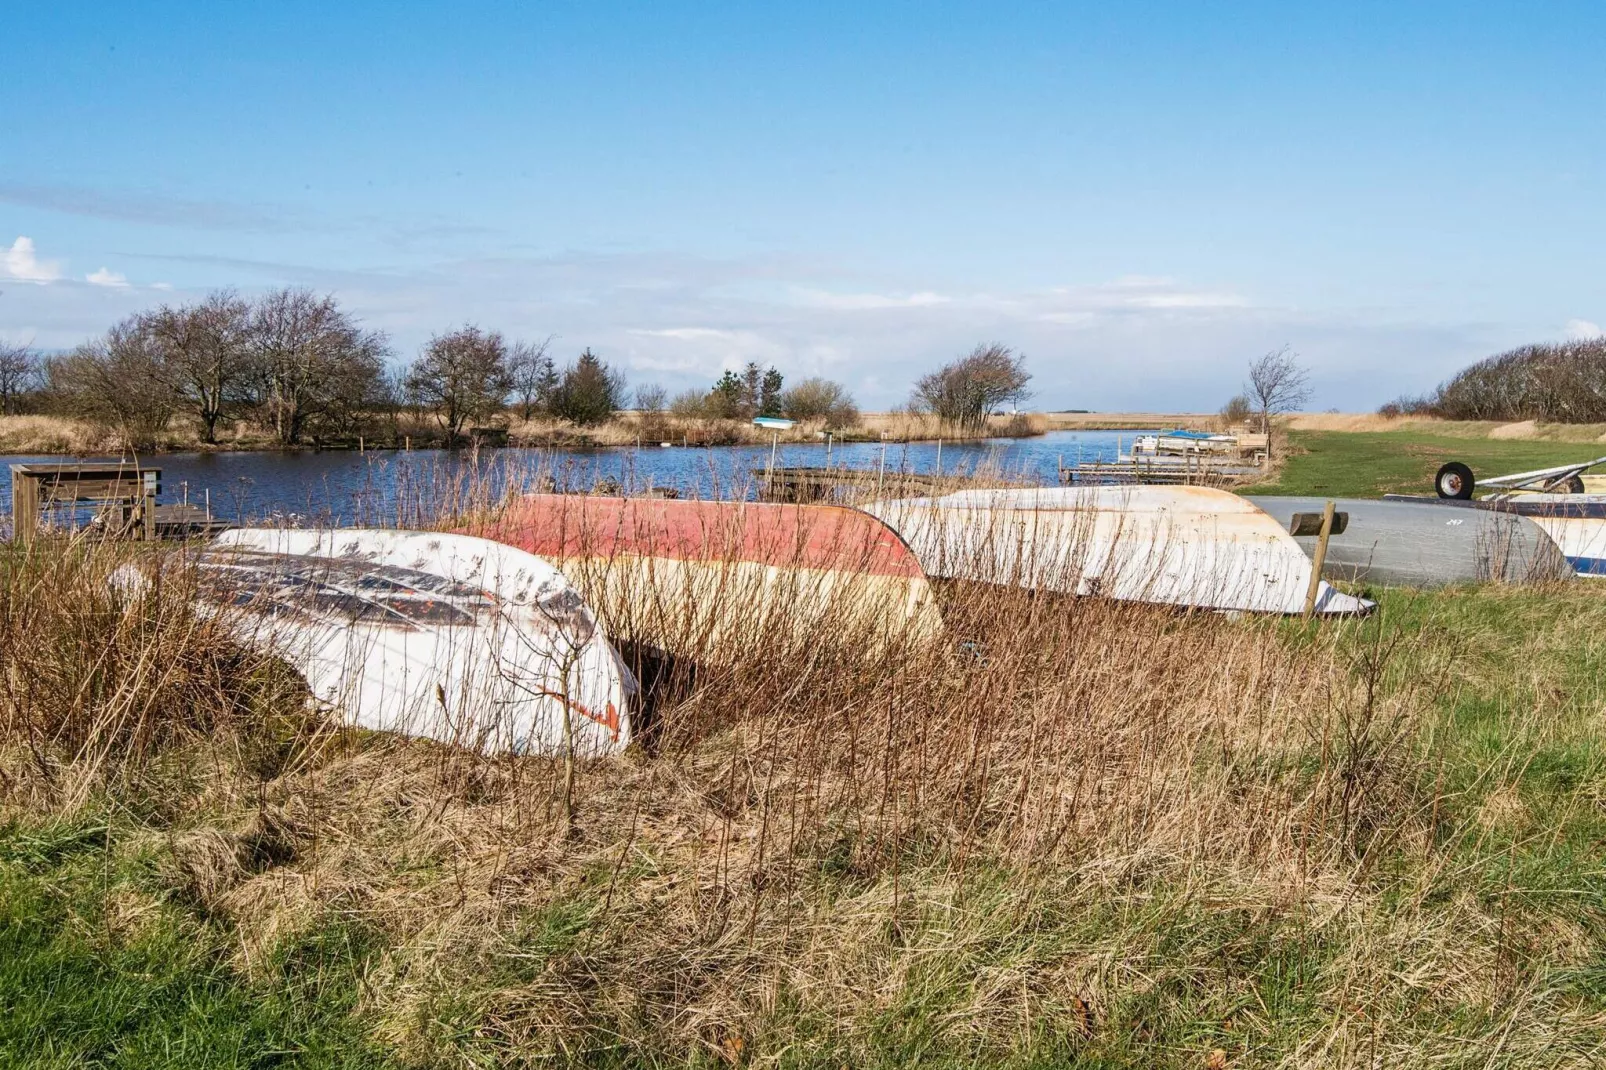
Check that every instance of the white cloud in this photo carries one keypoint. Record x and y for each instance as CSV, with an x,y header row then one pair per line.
x,y
1128,342
23,263
857,302
685,334
1582,329
105,277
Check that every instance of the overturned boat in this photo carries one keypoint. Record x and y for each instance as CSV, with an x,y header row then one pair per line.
x,y
1187,546
706,579
1418,544
1554,499
451,637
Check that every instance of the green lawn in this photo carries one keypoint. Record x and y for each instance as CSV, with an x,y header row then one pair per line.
x,y
1368,464
101,965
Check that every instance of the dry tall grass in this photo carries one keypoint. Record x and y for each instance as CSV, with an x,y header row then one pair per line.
x,y
1079,827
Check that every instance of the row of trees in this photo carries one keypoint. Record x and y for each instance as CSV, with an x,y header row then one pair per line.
x,y
292,360
1556,383
466,376
302,368
757,391
299,366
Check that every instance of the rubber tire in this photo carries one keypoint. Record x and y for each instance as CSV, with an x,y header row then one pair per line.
x,y
1574,485
1454,480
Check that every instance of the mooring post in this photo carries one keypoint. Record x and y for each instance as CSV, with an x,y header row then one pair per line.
x,y
24,505
1319,560
882,470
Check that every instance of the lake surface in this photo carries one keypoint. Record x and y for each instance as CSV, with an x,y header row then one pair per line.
x,y
387,487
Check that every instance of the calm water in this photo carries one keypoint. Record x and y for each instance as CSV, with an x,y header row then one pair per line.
x,y
385,486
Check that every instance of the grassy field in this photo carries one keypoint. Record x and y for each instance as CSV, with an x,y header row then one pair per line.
x,y
1094,835
1366,464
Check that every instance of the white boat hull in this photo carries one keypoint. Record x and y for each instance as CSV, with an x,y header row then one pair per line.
x,y
1186,546
449,637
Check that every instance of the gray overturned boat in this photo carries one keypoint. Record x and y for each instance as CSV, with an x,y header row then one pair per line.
x,y
1416,544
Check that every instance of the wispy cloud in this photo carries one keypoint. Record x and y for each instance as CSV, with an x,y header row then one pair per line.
x,y
1582,330
126,206
848,302
1135,341
106,277
23,263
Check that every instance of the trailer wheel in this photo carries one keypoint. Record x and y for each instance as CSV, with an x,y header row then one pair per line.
x,y
1454,481
1570,485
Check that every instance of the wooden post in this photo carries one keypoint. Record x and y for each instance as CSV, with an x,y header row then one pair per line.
x,y
148,508
1319,560
360,448
24,506
882,470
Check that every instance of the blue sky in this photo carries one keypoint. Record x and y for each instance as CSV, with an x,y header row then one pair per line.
x,y
1141,197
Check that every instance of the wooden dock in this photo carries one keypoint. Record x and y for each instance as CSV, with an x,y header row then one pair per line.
x,y
1127,472
122,496
805,485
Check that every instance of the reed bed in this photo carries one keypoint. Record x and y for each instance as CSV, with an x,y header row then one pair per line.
x,y
1067,829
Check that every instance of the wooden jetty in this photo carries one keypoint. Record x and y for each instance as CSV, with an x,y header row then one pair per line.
x,y
1148,473
805,485
123,495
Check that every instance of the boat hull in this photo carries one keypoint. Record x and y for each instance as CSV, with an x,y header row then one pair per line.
x,y
702,579
1576,523
449,637
1187,546
1417,544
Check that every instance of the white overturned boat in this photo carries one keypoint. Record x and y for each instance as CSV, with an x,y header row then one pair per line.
x,y
1553,498
1187,546
452,637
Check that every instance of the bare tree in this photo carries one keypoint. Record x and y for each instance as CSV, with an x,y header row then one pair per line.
x,y
463,376
966,391
312,365
534,377
19,373
820,399
651,399
1277,384
207,349
122,379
